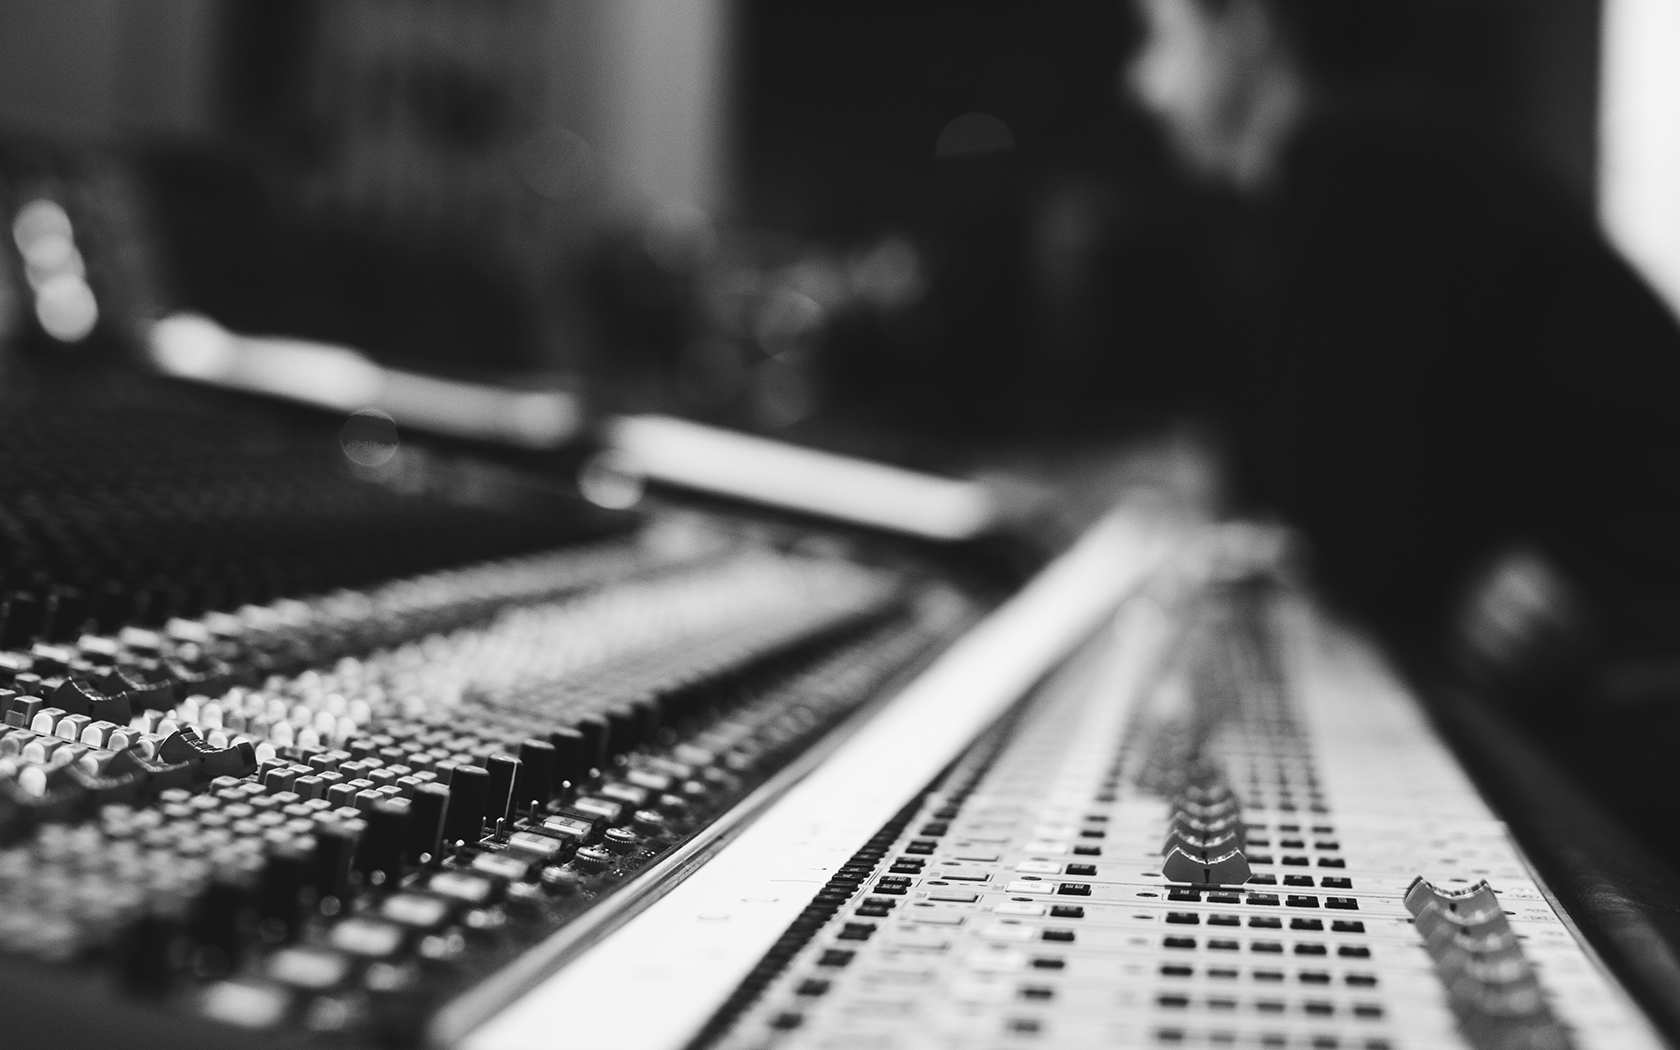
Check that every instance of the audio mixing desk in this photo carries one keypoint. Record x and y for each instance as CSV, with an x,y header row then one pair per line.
x,y
294,755
1222,822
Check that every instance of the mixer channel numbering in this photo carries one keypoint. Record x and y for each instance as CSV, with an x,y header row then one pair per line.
x,y
1359,893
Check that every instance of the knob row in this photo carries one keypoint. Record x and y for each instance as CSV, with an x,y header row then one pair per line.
x,y
1205,837
1491,985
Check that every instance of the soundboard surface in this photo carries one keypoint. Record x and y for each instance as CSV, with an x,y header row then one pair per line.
x,y
297,753
1029,895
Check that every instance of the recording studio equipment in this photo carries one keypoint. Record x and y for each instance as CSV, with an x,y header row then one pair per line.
x,y
1222,822
313,737
309,739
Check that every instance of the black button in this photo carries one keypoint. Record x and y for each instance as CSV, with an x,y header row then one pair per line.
x,y
1302,900
1348,926
1082,869
1306,924
835,957
1184,918
1058,935
1067,911
1344,903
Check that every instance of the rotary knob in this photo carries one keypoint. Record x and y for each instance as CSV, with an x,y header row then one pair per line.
x,y
592,859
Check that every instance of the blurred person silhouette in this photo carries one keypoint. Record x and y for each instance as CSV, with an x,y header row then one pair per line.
x,y
1437,368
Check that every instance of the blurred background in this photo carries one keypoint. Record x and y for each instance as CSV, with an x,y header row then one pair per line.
x,y
940,218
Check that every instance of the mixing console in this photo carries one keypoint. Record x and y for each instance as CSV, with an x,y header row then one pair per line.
x,y
241,800
1223,824
300,752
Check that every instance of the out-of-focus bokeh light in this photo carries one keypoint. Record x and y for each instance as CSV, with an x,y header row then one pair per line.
x,y
972,135
787,321
65,305
369,438
888,275
607,480
39,222
1639,137
678,235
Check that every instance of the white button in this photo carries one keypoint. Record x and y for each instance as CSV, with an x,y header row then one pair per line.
x,y
1019,908
413,910
366,937
308,968
244,1005
460,886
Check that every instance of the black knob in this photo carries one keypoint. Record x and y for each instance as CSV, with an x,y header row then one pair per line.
x,y
149,949
216,927
286,887
535,782
597,737
329,866
625,726
469,797
379,856
571,757
425,820
504,772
